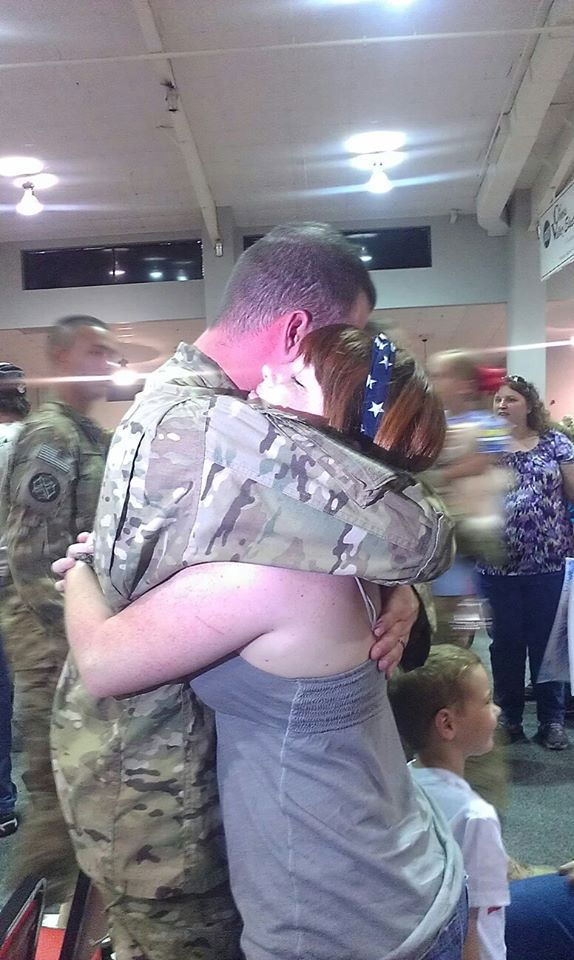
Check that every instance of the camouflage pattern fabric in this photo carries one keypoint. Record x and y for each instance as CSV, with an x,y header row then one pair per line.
x,y
50,494
195,474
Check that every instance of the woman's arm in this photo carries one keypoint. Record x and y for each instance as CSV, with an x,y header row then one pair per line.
x,y
567,471
199,616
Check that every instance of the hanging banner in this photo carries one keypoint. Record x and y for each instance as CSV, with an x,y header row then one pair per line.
x,y
556,234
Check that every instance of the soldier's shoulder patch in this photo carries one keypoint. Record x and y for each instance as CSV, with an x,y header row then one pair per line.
x,y
44,487
53,457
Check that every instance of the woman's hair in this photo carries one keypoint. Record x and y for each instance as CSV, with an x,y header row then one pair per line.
x,y
412,430
416,697
538,418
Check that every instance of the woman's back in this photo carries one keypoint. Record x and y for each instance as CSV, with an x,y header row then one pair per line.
x,y
333,854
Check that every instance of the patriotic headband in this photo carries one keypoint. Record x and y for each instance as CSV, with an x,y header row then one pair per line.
x,y
377,384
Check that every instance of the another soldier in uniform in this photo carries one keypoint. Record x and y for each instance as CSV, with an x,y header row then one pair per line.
x,y
138,786
14,407
50,494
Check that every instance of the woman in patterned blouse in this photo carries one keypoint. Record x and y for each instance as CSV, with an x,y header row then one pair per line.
x,y
525,589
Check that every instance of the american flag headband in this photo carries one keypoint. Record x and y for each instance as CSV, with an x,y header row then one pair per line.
x,y
377,384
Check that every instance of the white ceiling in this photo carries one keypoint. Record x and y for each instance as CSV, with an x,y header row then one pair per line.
x,y
269,124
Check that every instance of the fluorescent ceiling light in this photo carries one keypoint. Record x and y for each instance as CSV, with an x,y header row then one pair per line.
x,y
182,276
379,182
41,181
388,160
156,274
117,272
29,205
375,141
19,166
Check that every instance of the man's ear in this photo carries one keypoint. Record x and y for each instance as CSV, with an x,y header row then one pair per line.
x,y
296,327
444,724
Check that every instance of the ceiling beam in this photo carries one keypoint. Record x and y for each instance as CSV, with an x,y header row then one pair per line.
x,y
180,125
554,172
518,131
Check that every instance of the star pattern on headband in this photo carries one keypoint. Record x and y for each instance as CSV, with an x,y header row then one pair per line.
x,y
376,388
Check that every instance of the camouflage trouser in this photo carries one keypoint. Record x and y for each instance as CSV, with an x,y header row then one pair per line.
x,y
198,927
42,845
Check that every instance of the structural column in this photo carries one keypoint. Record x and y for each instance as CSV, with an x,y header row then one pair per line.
x,y
216,270
526,321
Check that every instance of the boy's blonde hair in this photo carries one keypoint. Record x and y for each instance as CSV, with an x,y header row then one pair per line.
x,y
417,696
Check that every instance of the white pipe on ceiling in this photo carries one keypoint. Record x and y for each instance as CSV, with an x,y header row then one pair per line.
x,y
181,127
564,30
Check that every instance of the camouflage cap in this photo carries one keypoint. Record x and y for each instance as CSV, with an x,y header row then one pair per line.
x,y
12,379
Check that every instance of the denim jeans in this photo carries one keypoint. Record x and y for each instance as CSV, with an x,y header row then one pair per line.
x,y
449,943
540,919
7,788
523,611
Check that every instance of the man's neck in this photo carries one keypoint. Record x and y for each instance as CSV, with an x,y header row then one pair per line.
x,y
445,756
238,357
67,394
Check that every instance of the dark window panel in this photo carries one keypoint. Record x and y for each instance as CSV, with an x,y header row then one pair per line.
x,y
163,261
394,248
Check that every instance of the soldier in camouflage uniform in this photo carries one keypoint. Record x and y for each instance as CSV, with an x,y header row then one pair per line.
x,y
50,493
194,476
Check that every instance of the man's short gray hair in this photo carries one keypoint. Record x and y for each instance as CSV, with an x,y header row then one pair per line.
x,y
62,333
298,266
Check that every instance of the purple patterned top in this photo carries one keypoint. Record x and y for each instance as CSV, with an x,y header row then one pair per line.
x,y
538,534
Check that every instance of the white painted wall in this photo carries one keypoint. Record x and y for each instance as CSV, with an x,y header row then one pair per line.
x,y
131,303
468,267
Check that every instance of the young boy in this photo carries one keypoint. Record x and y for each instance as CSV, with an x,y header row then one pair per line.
x,y
445,712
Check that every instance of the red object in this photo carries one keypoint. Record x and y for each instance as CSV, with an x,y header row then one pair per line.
x,y
50,944
490,378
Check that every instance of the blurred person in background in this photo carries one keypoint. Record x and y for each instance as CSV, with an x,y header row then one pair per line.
x,y
14,407
524,589
471,484
50,494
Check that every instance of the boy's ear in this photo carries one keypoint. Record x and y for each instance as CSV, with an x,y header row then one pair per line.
x,y
444,724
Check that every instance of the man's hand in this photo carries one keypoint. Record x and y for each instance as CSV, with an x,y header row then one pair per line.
x,y
392,629
84,544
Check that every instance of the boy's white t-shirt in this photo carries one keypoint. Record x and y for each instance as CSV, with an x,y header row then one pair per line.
x,y
476,828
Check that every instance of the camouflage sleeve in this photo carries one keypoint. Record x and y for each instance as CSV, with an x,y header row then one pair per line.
x,y
257,486
38,510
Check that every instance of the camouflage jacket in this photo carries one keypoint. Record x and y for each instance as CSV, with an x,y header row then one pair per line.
x,y
197,474
49,495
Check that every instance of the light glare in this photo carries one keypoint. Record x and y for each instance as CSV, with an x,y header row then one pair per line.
x,y
19,166
375,141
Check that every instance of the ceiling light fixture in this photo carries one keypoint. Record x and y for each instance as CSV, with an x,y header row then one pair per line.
x,y
365,256
116,272
41,181
182,276
29,205
122,377
156,274
375,141
379,182
19,166
387,160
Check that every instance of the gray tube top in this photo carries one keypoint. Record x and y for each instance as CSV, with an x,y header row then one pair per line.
x,y
334,853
